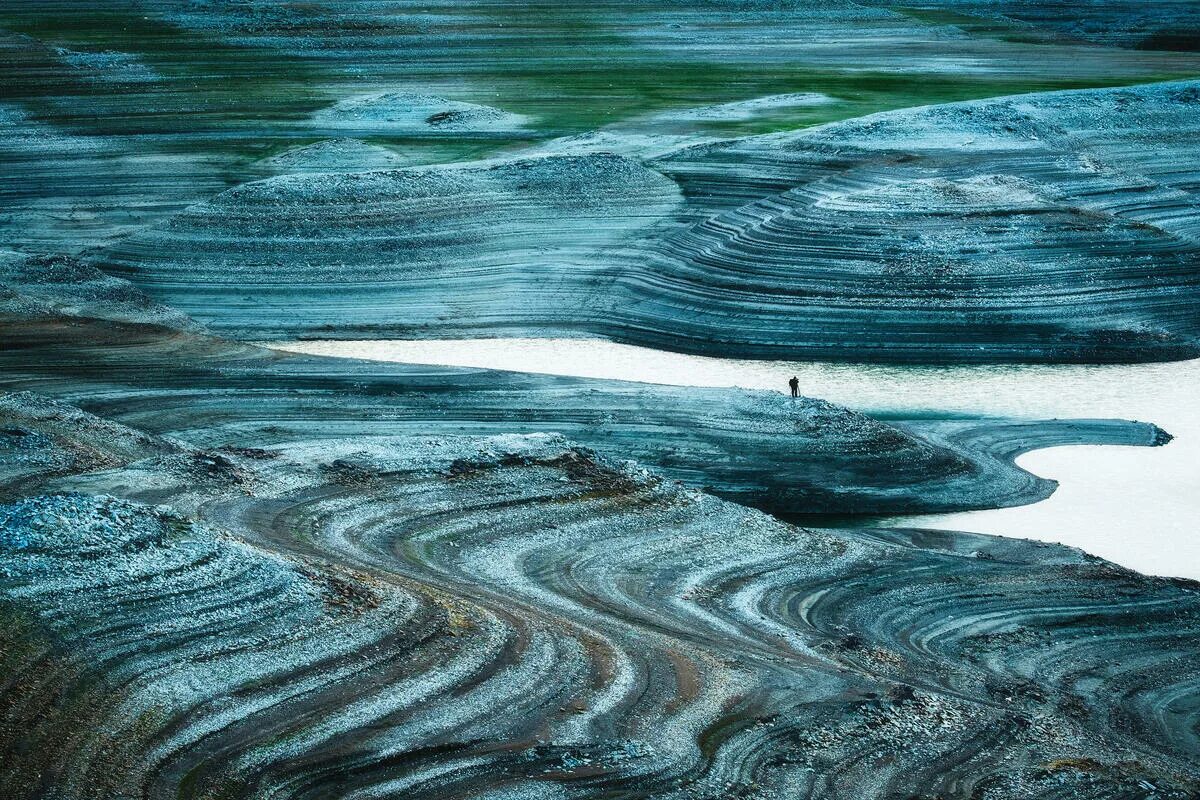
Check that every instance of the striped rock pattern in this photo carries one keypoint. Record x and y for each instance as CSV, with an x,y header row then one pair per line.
x,y
517,245
49,201
513,616
232,574
803,456
120,114
1018,229
1040,228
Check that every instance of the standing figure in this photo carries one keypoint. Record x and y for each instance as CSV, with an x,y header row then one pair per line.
x,y
795,384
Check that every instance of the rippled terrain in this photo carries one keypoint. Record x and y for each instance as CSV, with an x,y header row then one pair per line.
x,y
270,528
1105,495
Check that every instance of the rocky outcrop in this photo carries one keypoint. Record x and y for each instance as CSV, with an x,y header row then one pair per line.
x,y
801,456
1016,229
460,616
41,439
413,113
513,246
43,286
1039,228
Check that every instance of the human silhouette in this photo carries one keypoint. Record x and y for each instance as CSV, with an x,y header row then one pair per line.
x,y
795,384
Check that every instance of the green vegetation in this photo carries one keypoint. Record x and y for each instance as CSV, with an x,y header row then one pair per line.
x,y
571,67
595,95
194,78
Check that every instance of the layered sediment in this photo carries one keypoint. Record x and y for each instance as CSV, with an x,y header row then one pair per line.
x,y
516,616
1040,228
802,456
230,573
402,252
62,191
1015,229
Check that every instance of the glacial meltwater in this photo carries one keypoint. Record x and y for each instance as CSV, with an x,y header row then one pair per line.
x,y
1135,506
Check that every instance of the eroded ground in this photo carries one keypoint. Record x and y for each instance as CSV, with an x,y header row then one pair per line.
x,y
228,572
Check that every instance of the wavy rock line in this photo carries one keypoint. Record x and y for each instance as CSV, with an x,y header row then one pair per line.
x,y
517,245
794,457
460,617
1012,229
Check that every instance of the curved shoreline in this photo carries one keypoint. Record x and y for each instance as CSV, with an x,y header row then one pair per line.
x,y
755,447
936,397
233,573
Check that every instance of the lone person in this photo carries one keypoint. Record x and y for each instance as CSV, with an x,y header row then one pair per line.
x,y
795,384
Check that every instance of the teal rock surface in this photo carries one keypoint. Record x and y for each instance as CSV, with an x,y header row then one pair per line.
x,y
234,573
459,615
998,230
